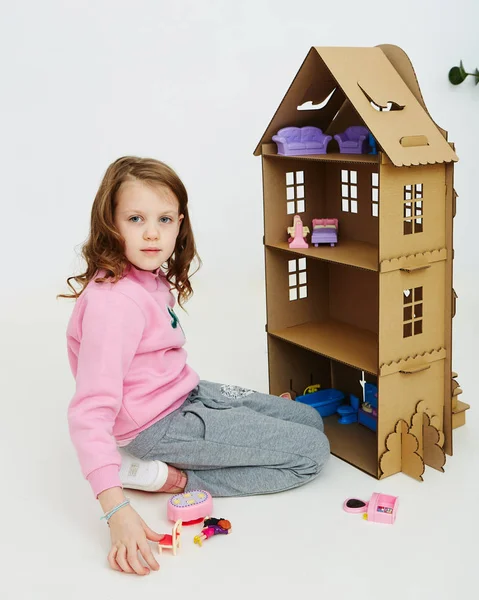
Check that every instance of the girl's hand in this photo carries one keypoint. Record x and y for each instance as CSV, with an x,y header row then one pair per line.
x,y
129,533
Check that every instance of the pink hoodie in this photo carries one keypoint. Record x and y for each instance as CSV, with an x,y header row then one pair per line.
x,y
125,351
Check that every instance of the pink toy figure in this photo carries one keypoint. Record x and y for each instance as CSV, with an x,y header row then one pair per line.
x,y
381,508
298,233
212,527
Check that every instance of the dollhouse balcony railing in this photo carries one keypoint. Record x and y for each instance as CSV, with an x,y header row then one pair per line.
x,y
270,150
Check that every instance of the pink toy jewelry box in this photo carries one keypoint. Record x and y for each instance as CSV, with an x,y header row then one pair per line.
x,y
381,508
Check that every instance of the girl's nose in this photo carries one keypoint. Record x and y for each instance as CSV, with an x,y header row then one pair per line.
x,y
151,234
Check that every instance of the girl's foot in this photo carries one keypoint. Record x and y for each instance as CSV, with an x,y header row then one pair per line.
x,y
175,482
150,475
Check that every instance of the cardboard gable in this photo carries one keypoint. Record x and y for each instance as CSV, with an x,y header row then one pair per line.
x,y
364,82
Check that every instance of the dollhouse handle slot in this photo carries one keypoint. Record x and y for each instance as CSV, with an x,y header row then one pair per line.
x,y
411,268
416,369
409,141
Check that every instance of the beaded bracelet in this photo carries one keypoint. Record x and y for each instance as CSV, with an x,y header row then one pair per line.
x,y
108,515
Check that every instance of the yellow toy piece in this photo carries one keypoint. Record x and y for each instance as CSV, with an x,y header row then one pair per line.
x,y
312,388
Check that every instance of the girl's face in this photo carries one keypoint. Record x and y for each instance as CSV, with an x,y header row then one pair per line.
x,y
147,218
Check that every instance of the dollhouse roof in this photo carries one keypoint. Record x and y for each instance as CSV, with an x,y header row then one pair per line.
x,y
373,86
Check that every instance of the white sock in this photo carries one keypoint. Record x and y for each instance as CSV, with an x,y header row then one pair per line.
x,y
146,475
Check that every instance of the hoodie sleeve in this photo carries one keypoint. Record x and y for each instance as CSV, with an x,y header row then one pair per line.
x,y
110,331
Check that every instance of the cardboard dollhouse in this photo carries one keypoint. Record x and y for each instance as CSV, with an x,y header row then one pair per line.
x,y
377,307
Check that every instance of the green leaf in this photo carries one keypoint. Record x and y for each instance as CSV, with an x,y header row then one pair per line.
x,y
462,69
456,76
476,76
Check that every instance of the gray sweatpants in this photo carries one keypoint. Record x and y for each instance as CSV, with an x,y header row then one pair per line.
x,y
232,441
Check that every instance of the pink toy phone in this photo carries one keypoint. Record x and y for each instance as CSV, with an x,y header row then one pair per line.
x,y
381,508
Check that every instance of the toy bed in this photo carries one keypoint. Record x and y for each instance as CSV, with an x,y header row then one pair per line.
x,y
325,231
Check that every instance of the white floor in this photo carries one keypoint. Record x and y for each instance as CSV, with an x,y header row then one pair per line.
x,y
53,544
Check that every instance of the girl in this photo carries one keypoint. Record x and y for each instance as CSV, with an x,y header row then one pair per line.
x,y
140,417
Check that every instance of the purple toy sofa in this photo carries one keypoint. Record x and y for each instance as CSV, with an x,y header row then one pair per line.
x,y
354,140
296,141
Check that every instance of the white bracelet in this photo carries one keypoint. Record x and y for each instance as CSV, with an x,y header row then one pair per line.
x,y
108,515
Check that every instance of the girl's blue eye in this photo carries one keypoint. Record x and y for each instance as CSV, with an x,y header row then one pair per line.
x,y
136,218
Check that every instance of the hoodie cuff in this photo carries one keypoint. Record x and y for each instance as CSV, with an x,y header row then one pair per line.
x,y
104,478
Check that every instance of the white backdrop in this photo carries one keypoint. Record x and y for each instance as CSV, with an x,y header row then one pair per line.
x,y
194,84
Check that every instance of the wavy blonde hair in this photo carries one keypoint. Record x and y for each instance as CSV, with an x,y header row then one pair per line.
x,y
105,247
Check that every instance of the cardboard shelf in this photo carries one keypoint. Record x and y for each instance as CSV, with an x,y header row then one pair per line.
x,y
332,157
353,443
346,252
351,345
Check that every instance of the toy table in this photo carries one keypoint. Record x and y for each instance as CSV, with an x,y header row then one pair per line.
x,y
190,507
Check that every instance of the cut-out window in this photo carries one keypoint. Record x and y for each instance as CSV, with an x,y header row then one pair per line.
x,y
295,202
297,279
390,105
310,106
380,108
375,194
349,191
412,311
413,212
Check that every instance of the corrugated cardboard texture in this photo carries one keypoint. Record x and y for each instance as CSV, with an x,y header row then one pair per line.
x,y
363,72
433,454
409,449
360,226
353,443
363,76
399,395
393,242
338,318
381,301
395,313
412,364
401,454
458,419
459,414
313,82
449,306
400,61
293,368
417,424
413,262
356,347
